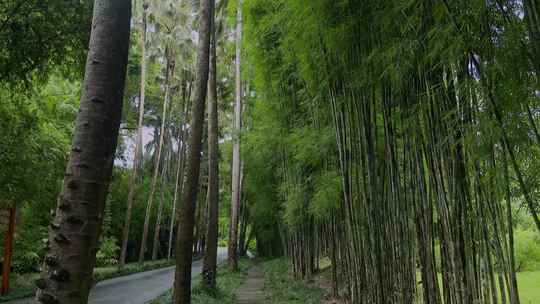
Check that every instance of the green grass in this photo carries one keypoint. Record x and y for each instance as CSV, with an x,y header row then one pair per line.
x,y
23,285
280,287
227,282
529,287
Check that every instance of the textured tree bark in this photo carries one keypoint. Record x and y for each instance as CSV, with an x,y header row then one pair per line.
x,y
169,69
210,256
184,243
75,230
201,214
235,198
138,143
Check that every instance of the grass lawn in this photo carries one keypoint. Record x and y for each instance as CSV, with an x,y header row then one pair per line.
x,y
23,285
529,287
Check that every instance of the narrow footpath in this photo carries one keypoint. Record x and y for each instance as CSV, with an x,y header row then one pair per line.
x,y
252,290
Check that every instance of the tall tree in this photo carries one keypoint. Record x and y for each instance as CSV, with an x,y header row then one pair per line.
x,y
169,70
236,190
181,161
184,243
210,256
157,227
138,141
179,180
76,228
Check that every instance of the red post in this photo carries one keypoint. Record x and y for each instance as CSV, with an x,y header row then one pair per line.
x,y
8,252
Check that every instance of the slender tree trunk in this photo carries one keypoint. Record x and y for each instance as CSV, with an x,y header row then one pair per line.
x,y
169,69
199,211
235,200
76,228
157,228
179,181
243,229
164,170
514,291
184,244
138,144
210,256
202,220
179,189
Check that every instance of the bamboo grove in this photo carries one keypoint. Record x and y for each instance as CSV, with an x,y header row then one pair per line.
x,y
393,142
396,135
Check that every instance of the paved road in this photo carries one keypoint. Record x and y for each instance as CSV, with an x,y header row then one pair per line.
x,y
137,288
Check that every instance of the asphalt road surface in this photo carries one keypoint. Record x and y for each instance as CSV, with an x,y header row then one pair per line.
x,y
138,288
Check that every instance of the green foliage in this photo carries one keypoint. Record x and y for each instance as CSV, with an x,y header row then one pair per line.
x,y
222,243
304,59
327,196
108,252
311,146
294,196
37,37
30,239
36,130
26,262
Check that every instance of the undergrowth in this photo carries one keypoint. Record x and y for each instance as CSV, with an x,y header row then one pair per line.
x,y
227,282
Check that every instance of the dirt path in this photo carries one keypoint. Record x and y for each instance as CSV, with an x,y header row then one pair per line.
x,y
252,290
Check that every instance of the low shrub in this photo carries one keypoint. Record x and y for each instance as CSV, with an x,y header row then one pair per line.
x,y
108,253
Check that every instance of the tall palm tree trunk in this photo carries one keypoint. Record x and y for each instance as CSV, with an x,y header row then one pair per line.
x,y
184,244
210,255
235,200
157,228
138,143
170,67
180,174
178,182
76,228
